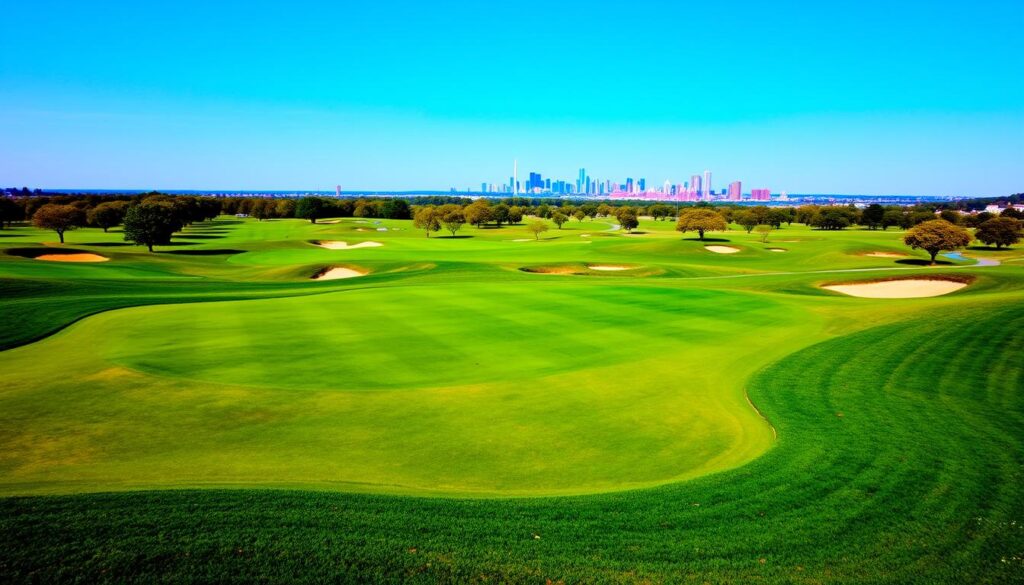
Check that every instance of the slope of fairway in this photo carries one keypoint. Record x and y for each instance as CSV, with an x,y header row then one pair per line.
x,y
563,388
899,460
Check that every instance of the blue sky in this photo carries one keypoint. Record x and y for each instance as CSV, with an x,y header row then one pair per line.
x,y
838,97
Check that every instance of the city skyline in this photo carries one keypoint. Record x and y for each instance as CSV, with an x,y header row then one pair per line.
x,y
914,98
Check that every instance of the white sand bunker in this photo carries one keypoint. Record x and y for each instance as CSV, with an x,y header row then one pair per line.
x,y
72,258
584,235
885,255
777,250
907,288
608,267
722,249
346,246
334,273
524,240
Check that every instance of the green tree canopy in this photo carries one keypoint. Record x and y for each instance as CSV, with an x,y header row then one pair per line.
x,y
700,220
151,224
936,235
999,232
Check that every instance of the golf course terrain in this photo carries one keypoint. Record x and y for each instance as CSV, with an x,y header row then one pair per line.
x,y
351,401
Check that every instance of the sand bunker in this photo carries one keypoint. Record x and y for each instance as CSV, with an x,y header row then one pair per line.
x,y
524,240
885,255
552,269
335,273
608,267
907,288
346,246
83,257
777,250
722,249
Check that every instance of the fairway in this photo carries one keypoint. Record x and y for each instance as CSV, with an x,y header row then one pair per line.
x,y
634,379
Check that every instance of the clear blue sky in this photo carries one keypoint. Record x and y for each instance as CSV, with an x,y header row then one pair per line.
x,y
836,97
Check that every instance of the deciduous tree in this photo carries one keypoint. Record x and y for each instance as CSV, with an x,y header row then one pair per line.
x,y
999,232
700,220
537,227
59,218
936,235
150,224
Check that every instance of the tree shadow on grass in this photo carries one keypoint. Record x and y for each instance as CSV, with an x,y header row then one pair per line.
x,y
211,252
181,244
705,240
454,237
989,249
106,244
922,262
198,237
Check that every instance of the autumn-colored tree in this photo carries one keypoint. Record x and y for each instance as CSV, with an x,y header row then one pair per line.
x,y
59,218
427,219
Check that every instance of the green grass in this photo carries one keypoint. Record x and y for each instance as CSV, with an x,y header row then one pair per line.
x,y
449,372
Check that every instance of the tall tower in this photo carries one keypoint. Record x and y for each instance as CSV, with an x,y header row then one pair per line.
x,y
337,190
515,177
707,185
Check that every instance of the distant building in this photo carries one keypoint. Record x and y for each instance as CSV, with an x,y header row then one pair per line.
x,y
707,185
761,194
735,191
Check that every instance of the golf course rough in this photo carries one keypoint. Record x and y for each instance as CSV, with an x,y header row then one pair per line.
x,y
473,421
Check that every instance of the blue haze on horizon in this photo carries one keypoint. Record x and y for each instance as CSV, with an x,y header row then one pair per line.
x,y
871,97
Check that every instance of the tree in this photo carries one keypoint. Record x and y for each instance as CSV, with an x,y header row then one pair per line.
x,y
9,211
395,209
263,209
477,213
107,215
833,218
872,216
537,227
499,213
950,215
999,232
150,224
892,217
544,211
427,219
805,213
936,235
515,215
59,218
311,208
452,218
284,208
700,220
746,219
604,210
763,230
579,215
559,218
628,220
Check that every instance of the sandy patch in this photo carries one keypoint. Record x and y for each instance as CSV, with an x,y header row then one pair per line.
x,y
722,249
335,273
72,258
584,235
523,240
330,221
898,289
552,270
347,246
885,255
777,250
608,267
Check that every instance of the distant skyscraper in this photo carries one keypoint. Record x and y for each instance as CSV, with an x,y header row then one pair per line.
x,y
515,176
483,187
695,184
707,185
735,191
337,191
761,194
581,182
642,184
